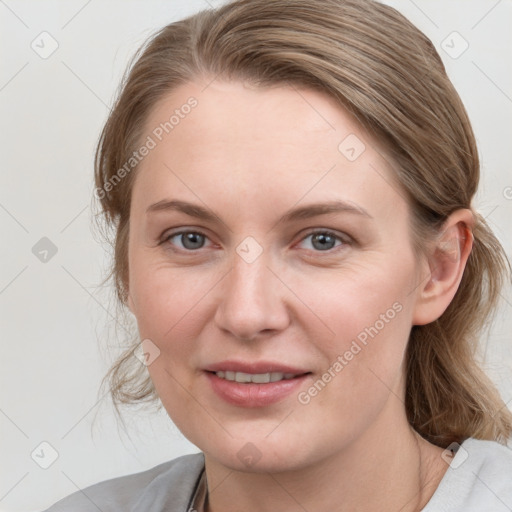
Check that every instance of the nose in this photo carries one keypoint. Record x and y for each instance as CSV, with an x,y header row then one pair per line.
x,y
252,300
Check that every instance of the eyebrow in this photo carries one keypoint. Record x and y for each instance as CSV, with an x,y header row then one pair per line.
x,y
300,213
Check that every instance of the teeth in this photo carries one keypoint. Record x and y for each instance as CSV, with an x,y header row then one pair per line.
x,y
243,377
257,378
260,378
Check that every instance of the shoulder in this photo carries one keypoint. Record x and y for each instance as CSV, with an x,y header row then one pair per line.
x,y
489,463
479,479
168,486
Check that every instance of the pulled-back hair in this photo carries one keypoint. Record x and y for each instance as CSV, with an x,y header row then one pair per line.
x,y
387,73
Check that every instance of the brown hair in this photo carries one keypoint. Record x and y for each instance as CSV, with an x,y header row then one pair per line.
x,y
388,74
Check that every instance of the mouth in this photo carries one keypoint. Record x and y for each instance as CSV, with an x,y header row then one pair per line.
x,y
256,378
254,384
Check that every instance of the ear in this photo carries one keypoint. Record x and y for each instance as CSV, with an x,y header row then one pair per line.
x,y
446,263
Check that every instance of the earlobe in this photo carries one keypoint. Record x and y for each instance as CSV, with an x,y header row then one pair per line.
x,y
447,262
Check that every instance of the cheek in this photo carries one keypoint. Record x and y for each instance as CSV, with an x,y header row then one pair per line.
x,y
170,305
161,294
171,308
368,312
360,302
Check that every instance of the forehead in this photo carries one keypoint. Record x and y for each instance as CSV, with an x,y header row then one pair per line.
x,y
238,113
281,142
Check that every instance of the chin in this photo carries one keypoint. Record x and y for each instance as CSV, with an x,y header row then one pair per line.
x,y
249,460
257,454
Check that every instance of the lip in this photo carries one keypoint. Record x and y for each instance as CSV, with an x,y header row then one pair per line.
x,y
254,367
253,395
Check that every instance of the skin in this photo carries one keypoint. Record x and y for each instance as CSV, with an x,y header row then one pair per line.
x,y
249,155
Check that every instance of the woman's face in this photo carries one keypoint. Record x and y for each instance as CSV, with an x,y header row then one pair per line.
x,y
267,241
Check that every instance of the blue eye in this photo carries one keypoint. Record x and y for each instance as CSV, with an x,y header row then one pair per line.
x,y
323,240
190,240
319,241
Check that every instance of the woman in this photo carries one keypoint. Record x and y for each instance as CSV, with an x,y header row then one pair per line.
x,y
291,186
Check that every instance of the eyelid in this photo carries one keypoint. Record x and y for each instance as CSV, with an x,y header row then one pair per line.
x,y
344,237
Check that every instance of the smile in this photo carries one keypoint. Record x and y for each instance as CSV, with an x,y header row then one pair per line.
x,y
243,389
256,378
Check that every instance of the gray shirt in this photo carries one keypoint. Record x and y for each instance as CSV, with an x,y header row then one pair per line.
x,y
479,479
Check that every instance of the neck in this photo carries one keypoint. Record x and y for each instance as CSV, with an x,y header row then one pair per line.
x,y
383,469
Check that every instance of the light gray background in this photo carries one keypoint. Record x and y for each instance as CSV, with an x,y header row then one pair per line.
x,y
57,324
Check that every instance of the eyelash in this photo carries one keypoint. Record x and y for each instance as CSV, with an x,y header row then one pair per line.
x,y
345,240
